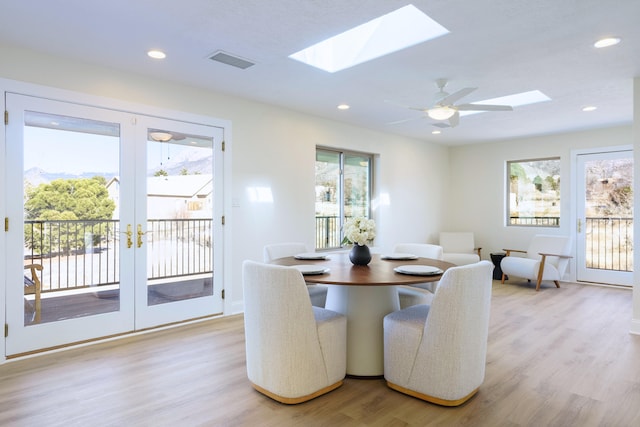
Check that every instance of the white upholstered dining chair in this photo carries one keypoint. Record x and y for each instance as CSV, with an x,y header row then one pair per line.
x,y
437,352
421,293
546,258
423,250
317,293
295,351
458,247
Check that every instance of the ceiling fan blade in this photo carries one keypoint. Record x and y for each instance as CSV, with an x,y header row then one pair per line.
x,y
423,109
451,99
483,107
454,120
397,104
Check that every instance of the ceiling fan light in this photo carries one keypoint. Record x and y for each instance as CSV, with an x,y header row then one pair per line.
x,y
160,136
441,113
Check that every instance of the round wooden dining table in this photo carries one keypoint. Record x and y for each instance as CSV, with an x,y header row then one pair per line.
x,y
365,294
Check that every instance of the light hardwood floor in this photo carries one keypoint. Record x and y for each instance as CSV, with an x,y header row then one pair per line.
x,y
558,357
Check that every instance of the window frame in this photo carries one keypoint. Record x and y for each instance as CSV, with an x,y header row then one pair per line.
x,y
533,221
343,155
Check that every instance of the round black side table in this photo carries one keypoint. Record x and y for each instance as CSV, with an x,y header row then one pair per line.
x,y
496,257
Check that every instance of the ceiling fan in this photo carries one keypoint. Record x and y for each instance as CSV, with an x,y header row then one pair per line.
x,y
445,108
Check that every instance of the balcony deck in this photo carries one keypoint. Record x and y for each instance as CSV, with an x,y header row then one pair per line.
x,y
62,305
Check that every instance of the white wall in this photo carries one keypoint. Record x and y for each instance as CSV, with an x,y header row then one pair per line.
x,y
276,149
271,147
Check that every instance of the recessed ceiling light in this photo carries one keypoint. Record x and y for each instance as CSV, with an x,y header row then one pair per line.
x,y
343,107
389,33
606,42
156,54
590,108
436,132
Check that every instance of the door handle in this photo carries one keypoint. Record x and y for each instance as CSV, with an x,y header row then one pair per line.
x,y
579,225
129,234
140,234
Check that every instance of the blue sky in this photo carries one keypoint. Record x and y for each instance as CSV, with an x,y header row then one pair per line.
x,y
55,150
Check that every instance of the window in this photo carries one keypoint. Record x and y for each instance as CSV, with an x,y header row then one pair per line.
x,y
533,191
343,190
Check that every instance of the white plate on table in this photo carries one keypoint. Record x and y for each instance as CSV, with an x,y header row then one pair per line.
x,y
418,270
399,256
310,269
311,255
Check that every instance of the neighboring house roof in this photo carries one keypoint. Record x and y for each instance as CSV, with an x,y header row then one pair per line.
x,y
181,186
112,181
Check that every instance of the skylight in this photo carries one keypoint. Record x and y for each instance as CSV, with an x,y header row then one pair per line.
x,y
389,33
515,100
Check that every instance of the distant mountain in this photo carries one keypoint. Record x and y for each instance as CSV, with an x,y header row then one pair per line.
x,y
37,176
194,162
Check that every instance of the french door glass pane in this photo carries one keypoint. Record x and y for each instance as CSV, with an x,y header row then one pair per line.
x,y
609,214
179,216
71,230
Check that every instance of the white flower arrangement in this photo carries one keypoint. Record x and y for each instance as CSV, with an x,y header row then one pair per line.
x,y
359,231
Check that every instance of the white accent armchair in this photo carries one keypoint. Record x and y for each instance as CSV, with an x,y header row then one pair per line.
x,y
459,247
547,258
318,293
438,352
295,352
421,293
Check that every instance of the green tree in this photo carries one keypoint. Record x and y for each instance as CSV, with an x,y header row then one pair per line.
x,y
516,175
621,202
552,183
60,203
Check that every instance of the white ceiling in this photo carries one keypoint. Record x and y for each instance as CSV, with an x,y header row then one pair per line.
x,y
500,46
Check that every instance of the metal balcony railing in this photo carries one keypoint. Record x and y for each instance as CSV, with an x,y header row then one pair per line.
x,y
78,254
327,232
535,220
608,241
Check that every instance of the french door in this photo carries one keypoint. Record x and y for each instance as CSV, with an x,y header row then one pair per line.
x,y
604,212
178,217
113,222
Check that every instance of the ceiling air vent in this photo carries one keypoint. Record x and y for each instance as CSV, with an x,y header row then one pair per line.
x,y
228,59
